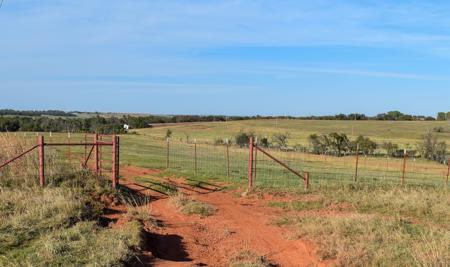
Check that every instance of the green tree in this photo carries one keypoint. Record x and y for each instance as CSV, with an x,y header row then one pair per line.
x,y
441,116
339,143
366,146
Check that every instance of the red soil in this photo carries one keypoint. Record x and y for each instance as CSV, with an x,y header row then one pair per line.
x,y
239,224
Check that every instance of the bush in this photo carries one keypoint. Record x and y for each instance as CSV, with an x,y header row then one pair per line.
x,y
242,139
264,142
366,146
431,148
280,140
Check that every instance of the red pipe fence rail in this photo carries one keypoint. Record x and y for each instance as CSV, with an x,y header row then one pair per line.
x,y
96,144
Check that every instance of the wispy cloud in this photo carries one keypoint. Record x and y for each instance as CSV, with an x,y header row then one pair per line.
x,y
353,72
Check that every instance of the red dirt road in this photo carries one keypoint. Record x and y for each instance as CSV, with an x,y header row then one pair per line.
x,y
239,224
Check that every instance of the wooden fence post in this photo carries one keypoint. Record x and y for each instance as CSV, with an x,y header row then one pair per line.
x,y
405,156
357,162
41,144
250,164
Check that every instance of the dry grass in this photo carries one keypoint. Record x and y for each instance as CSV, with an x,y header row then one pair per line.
x,y
191,207
367,240
381,225
249,259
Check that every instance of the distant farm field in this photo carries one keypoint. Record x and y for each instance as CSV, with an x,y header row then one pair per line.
x,y
404,133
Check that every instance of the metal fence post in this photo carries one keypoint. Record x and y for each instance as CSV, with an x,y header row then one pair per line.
x,y
306,180
405,156
357,162
250,163
115,143
195,156
41,161
68,147
255,160
167,153
228,159
85,150
96,153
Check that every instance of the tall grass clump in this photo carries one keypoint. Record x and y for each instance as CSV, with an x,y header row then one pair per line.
x,y
367,240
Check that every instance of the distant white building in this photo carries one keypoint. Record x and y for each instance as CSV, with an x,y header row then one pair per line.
x,y
126,127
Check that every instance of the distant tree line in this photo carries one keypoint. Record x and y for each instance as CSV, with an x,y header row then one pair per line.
x,y
35,113
442,116
47,124
97,123
388,116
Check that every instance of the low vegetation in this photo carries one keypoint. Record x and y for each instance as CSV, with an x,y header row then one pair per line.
x,y
191,207
373,225
249,259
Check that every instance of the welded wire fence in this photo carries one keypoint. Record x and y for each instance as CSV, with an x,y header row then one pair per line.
x,y
222,161
228,161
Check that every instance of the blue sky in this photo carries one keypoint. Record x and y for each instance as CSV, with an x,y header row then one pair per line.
x,y
226,57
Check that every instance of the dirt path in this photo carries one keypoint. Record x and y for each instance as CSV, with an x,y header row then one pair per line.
x,y
239,224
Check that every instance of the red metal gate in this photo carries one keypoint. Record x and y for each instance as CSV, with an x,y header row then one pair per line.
x,y
95,149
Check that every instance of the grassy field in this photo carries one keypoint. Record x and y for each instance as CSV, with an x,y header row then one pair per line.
x,y
372,222
404,133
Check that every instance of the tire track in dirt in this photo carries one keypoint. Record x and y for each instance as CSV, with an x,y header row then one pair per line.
x,y
239,224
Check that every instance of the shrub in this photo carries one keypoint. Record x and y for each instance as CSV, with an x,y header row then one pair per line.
x,y
280,140
431,148
242,139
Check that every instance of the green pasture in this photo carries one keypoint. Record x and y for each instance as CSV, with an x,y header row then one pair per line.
x,y
404,133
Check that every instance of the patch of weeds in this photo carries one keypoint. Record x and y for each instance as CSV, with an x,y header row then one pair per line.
x,y
191,207
249,259
283,220
298,205
141,214
368,240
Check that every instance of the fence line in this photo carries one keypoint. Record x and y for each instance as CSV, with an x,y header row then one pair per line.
x,y
232,162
